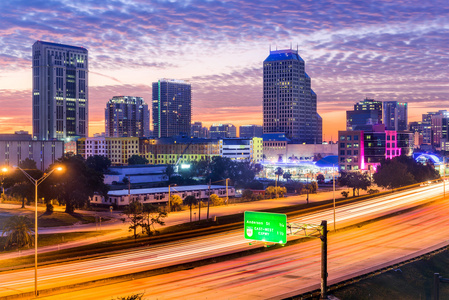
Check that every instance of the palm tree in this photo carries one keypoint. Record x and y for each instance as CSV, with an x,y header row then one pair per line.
x,y
190,200
19,231
278,172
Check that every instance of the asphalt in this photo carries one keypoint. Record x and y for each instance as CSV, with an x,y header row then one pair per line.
x,y
173,218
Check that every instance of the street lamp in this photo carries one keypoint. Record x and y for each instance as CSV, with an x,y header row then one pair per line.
x,y
333,193
36,183
3,171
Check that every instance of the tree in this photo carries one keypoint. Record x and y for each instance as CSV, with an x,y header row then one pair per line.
x,y
98,163
355,180
137,160
320,178
240,173
190,201
175,202
403,170
28,163
216,200
279,172
393,174
287,176
247,194
169,171
153,216
18,230
19,185
134,216
270,191
76,184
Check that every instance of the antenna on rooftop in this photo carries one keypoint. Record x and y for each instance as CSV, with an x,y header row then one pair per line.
x,y
297,47
290,45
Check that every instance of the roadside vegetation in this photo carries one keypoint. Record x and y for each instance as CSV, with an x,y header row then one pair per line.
x,y
411,281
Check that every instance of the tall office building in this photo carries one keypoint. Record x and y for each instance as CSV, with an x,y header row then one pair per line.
x,y
60,91
172,108
127,116
289,103
365,114
395,115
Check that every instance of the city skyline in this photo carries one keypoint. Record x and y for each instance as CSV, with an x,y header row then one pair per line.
x,y
388,51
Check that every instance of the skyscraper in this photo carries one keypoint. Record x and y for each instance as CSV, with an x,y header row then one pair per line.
x,y
395,115
60,91
127,116
289,103
365,114
172,108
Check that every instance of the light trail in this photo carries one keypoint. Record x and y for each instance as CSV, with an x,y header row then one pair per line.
x,y
201,247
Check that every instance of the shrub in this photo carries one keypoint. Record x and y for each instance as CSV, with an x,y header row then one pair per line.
x,y
345,194
216,200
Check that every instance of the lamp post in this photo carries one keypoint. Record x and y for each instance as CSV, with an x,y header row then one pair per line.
x,y
3,171
333,192
36,183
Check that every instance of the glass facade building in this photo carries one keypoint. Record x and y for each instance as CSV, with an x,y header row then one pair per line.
x,y
127,116
172,108
289,103
395,115
60,91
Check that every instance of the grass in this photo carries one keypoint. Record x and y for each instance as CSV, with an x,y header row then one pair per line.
x,y
54,219
47,240
410,281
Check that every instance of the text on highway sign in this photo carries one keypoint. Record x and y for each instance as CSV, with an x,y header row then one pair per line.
x,y
266,227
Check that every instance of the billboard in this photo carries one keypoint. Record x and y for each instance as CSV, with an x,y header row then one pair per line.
x,y
265,227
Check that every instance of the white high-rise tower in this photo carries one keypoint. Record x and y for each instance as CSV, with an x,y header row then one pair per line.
x,y
60,91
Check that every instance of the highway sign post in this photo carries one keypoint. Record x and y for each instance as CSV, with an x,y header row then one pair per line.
x,y
265,227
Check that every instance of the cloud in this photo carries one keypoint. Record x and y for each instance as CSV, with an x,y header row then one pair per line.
x,y
389,50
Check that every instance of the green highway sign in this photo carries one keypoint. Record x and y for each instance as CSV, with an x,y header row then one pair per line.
x,y
266,227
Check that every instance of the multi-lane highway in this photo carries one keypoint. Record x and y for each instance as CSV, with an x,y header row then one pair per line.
x,y
277,273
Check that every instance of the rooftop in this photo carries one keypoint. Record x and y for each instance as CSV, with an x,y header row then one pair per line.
x,y
61,45
287,54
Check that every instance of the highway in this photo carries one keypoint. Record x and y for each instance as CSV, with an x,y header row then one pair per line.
x,y
274,273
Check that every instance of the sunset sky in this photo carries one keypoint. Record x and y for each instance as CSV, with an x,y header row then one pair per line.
x,y
386,50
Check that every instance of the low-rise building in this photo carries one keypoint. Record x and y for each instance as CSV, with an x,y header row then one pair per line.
x,y
18,147
365,150
160,195
242,149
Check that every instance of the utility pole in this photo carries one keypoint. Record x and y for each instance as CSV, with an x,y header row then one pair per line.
x,y
307,188
169,198
227,194
208,202
129,190
323,238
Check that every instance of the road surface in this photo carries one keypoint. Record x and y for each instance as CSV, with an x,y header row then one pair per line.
x,y
351,247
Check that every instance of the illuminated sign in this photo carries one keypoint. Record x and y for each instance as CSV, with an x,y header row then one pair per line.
x,y
266,227
185,166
